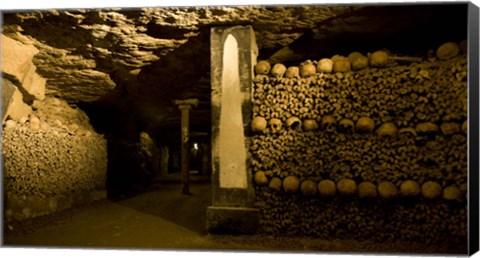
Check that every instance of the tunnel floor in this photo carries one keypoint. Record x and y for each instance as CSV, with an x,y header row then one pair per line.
x,y
161,218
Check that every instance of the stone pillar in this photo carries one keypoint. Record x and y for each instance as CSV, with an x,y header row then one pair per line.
x,y
185,106
233,55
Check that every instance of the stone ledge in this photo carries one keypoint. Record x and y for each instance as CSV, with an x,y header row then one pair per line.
x,y
232,220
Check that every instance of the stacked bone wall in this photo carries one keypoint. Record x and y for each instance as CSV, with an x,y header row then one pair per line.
x,y
53,160
378,153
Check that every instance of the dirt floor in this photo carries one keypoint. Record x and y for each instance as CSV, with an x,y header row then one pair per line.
x,y
161,218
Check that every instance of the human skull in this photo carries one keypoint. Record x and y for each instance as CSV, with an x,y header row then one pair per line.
x,y
291,184
10,124
328,123
262,67
310,124
347,187
293,122
346,125
292,72
341,65
327,188
379,59
426,128
259,124
325,65
431,190
308,188
358,61
387,190
410,188
260,178
275,184
447,50
261,78
367,190
278,70
451,193
450,128
307,69
387,129
365,125
275,125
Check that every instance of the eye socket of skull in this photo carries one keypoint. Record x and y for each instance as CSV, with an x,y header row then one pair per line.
x,y
328,123
275,124
293,123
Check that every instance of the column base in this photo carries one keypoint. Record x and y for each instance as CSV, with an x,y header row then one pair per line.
x,y
232,220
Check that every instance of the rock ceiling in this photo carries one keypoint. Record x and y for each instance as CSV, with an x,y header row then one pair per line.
x,y
130,64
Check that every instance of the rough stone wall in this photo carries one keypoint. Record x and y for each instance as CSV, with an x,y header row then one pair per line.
x,y
52,161
21,85
378,153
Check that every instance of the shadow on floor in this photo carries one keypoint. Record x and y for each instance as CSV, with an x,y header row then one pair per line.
x,y
159,216
165,200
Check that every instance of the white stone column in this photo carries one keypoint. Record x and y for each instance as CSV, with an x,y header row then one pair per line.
x,y
233,56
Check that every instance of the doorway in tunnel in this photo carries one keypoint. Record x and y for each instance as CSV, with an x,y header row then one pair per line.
x,y
148,179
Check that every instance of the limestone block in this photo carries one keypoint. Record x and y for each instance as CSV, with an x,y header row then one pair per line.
x,y
16,63
16,108
16,57
34,85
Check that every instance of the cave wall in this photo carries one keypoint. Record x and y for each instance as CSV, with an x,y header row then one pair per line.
x,y
52,157
377,153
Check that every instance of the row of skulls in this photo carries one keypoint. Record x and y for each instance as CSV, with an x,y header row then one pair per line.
x,y
355,61
346,187
363,125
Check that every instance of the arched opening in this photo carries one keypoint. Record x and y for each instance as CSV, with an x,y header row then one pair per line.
x,y
231,140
